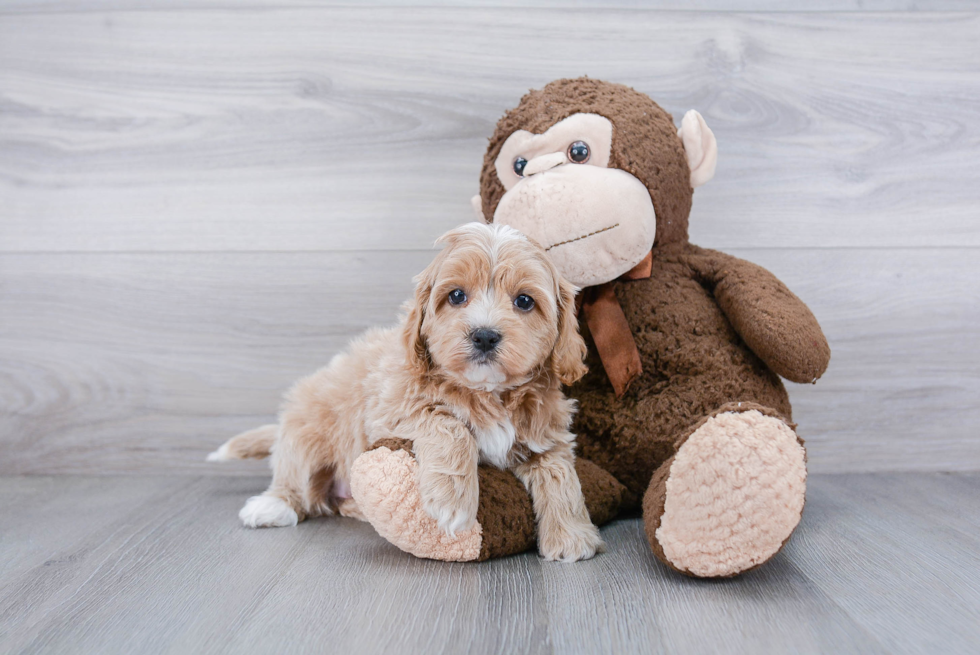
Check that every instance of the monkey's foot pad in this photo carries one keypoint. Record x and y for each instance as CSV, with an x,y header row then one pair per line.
x,y
384,484
734,495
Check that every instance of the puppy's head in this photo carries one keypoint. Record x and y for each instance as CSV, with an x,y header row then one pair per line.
x,y
492,310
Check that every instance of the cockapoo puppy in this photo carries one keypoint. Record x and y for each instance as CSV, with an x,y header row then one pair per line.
x,y
472,374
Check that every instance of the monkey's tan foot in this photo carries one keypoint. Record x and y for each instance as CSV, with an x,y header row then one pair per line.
x,y
730,497
384,483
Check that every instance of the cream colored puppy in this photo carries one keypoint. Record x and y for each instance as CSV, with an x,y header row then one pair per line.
x,y
472,374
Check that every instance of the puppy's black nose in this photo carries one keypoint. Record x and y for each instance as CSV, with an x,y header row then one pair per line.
x,y
485,339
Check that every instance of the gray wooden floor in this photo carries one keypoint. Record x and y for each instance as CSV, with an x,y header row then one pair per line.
x,y
882,563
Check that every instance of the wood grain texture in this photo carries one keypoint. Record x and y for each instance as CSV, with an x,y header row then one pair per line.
x,y
880,564
875,521
146,362
90,6
354,128
199,205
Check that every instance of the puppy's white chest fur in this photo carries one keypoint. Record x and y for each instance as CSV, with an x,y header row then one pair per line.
x,y
495,443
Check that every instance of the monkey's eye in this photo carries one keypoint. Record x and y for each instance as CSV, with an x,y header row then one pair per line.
x,y
524,302
457,297
579,152
519,165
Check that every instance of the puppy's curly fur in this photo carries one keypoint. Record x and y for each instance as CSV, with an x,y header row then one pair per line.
x,y
472,374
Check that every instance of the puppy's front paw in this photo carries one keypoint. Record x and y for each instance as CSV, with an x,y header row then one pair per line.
x,y
451,500
570,543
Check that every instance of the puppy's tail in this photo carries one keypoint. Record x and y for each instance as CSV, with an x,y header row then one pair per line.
x,y
254,444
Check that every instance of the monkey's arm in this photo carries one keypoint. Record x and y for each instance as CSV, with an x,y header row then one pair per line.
x,y
772,321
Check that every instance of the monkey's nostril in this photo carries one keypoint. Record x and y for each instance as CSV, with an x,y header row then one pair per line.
x,y
485,339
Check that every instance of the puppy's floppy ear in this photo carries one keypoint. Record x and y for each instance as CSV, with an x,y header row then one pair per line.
x,y
415,347
414,340
568,357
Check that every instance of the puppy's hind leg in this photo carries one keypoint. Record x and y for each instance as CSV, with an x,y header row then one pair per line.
x,y
282,504
253,444
268,511
305,461
296,491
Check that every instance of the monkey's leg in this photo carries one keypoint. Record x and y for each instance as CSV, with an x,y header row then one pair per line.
x,y
730,497
384,484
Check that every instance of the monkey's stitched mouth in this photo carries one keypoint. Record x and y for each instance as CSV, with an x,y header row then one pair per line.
x,y
584,236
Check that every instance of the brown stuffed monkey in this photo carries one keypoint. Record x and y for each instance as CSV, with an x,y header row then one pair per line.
x,y
683,414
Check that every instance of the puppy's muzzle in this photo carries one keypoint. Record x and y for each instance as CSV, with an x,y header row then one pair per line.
x,y
485,340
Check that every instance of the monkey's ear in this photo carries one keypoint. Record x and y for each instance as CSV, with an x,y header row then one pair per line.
x,y
477,203
569,354
700,146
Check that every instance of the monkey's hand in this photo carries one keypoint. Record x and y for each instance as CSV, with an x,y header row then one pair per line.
x,y
772,321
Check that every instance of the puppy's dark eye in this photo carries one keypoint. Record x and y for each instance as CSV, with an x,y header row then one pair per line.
x,y
457,297
519,165
524,302
579,152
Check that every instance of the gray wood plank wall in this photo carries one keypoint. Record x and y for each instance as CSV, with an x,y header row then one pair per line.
x,y
199,204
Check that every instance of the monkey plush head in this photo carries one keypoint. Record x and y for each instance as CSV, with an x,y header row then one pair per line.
x,y
595,172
